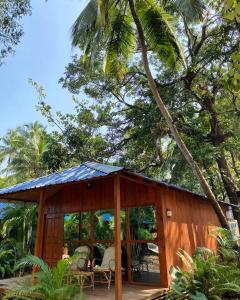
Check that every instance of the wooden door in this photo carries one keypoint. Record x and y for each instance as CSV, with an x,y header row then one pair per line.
x,y
53,239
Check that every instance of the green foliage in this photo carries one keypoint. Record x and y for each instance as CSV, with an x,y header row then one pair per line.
x,y
6,259
11,12
121,46
50,282
23,148
106,29
17,226
203,99
207,275
190,9
232,10
159,31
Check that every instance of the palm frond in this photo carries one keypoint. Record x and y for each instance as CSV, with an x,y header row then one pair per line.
x,y
121,45
191,9
85,26
32,260
159,31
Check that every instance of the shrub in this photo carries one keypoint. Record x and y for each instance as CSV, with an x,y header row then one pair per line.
x,y
208,276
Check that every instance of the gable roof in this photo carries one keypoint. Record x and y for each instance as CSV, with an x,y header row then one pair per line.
x,y
85,171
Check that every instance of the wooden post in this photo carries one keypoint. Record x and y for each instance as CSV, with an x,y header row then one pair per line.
x,y
161,240
118,254
40,226
128,245
38,251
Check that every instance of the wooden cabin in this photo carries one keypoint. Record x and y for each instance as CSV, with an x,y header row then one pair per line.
x,y
148,221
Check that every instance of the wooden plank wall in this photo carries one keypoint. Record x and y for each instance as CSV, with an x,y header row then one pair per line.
x,y
192,224
192,217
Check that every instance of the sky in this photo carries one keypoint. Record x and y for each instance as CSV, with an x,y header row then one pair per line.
x,y
43,53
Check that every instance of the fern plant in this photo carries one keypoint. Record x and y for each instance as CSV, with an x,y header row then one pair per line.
x,y
207,275
50,283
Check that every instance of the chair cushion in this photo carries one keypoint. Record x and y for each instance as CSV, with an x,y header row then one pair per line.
x,y
109,258
82,254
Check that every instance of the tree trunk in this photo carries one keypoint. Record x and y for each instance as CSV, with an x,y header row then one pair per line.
x,y
170,122
228,182
234,164
217,138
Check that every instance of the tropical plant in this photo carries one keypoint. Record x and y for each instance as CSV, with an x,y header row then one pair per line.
x,y
50,283
23,149
18,226
11,31
207,275
113,28
6,260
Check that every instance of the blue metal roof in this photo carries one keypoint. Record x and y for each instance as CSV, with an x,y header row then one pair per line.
x,y
85,171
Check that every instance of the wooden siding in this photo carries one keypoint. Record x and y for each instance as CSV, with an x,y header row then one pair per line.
x,y
189,227
192,224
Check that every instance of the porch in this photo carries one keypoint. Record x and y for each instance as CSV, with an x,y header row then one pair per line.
x,y
102,206
129,291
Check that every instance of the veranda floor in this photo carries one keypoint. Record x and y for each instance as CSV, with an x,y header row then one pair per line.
x,y
130,292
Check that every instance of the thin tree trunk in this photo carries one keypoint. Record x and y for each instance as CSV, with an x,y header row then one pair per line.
x,y
234,164
228,182
170,122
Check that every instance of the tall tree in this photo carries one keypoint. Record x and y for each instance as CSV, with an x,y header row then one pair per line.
x,y
23,150
18,224
11,12
115,28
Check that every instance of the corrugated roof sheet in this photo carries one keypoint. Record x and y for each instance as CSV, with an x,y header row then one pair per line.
x,y
85,171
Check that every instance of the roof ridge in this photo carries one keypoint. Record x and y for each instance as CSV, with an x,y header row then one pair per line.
x,y
98,169
86,165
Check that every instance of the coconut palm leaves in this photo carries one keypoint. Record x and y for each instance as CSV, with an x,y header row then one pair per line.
x,y
191,9
159,31
23,149
107,28
121,46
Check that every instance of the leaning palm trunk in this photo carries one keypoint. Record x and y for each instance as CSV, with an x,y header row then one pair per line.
x,y
195,167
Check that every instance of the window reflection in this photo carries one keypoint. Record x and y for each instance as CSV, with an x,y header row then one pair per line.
x,y
143,223
71,226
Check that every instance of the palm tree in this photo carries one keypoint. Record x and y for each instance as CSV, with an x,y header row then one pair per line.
x,y
18,227
50,285
116,29
23,149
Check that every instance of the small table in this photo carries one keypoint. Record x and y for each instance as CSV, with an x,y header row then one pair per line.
x,y
81,277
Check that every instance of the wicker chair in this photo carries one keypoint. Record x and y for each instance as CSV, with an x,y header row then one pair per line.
x,y
106,268
82,254
78,268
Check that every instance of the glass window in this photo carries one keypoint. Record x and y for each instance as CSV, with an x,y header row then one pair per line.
x,y
103,225
143,223
77,226
71,226
123,224
145,263
85,225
